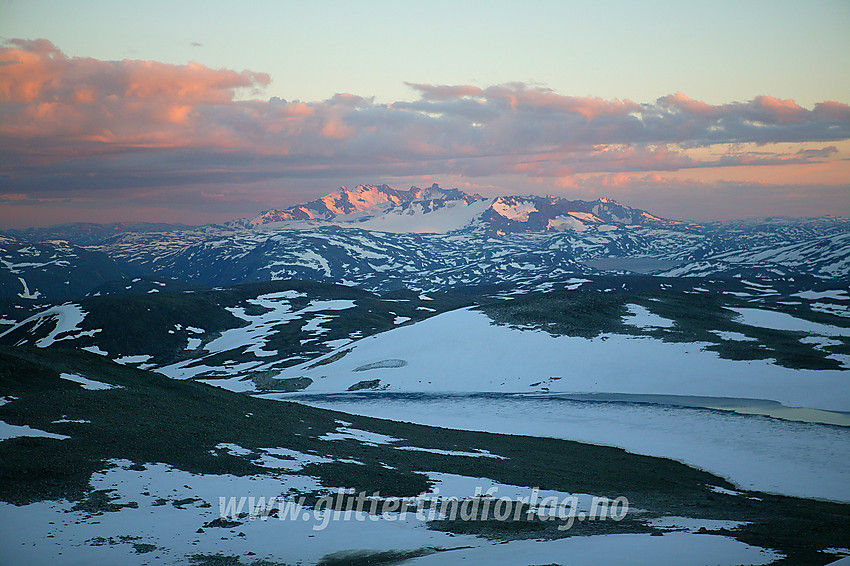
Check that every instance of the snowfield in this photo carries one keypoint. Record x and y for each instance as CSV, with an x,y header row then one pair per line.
x,y
463,351
453,359
65,319
782,321
8,431
184,504
254,337
88,383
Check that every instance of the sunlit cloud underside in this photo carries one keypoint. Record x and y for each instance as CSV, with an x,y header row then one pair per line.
x,y
82,133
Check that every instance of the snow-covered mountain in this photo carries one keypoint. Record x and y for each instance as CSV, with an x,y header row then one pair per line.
x,y
380,207
553,214
381,239
249,329
113,445
52,269
88,233
381,261
248,335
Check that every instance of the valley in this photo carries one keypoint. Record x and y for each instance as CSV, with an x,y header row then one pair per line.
x,y
425,346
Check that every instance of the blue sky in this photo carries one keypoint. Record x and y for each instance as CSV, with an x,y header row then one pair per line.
x,y
690,109
714,51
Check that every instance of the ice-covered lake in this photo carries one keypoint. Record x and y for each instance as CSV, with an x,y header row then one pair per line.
x,y
755,452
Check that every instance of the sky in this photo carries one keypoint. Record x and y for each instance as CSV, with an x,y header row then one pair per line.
x,y
200,112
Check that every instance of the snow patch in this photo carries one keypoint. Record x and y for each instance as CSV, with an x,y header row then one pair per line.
x,y
734,336
517,212
692,525
89,384
782,321
139,359
476,454
837,294
363,436
568,222
644,318
26,292
95,350
8,431
66,318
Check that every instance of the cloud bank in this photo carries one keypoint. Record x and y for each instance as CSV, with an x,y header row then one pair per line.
x,y
71,126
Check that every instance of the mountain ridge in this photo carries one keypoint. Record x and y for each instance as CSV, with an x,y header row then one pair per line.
x,y
364,202
381,239
369,206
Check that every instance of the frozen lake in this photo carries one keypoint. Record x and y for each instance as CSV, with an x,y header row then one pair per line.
x,y
753,451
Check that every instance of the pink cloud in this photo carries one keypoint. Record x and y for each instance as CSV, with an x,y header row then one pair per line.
x,y
688,105
107,125
442,92
38,71
545,100
781,111
830,110
63,99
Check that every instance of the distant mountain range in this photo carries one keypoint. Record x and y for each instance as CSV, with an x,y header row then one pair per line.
x,y
381,239
383,208
368,201
52,269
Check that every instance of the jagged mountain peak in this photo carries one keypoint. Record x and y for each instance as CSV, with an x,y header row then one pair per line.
x,y
435,209
550,213
364,202
362,197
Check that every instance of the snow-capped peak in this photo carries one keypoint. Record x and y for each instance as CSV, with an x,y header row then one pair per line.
x,y
434,209
362,197
540,214
379,207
